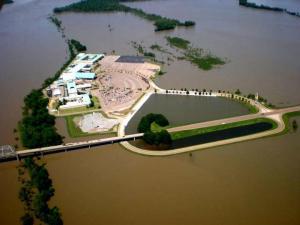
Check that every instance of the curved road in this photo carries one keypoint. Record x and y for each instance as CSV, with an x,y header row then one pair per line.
x,y
274,114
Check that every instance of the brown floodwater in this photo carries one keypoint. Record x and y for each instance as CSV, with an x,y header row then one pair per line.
x,y
255,182
246,183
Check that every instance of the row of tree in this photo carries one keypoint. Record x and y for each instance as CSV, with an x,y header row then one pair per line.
x,y
35,193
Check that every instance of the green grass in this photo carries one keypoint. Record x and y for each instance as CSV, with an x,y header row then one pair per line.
x,y
286,119
74,131
96,103
73,110
189,133
203,60
157,128
178,42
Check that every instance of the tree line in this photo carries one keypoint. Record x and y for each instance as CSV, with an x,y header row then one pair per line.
x,y
265,7
160,22
35,193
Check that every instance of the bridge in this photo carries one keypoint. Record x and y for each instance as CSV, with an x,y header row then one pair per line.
x,y
8,153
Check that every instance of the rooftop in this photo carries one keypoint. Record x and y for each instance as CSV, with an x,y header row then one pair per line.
x,y
130,59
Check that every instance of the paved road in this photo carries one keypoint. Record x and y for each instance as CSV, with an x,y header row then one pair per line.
x,y
270,114
275,114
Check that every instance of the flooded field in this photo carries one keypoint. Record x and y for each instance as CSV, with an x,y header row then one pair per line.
x,y
255,182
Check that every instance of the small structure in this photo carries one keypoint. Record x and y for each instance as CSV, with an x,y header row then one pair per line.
x,y
56,92
86,76
7,151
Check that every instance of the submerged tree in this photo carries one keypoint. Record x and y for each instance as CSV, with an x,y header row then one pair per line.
x,y
295,125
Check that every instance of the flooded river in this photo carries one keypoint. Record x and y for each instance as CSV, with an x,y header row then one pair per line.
x,y
255,182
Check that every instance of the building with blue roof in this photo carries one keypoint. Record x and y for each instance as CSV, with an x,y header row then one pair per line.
x,y
72,89
86,76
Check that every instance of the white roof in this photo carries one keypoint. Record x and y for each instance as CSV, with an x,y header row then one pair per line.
x,y
56,92
68,76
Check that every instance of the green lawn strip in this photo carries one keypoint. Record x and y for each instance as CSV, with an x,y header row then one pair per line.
x,y
157,128
286,118
74,131
193,132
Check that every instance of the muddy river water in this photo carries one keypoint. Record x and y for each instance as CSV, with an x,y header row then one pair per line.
x,y
255,182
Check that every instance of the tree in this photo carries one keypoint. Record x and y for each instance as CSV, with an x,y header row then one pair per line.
x,y
27,219
92,104
154,138
54,217
238,92
146,121
295,125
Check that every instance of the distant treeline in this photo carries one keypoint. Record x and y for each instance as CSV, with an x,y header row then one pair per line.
x,y
2,2
37,127
265,7
161,23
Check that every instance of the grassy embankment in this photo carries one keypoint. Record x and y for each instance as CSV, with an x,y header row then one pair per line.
x,y
245,3
203,59
286,119
161,23
189,133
